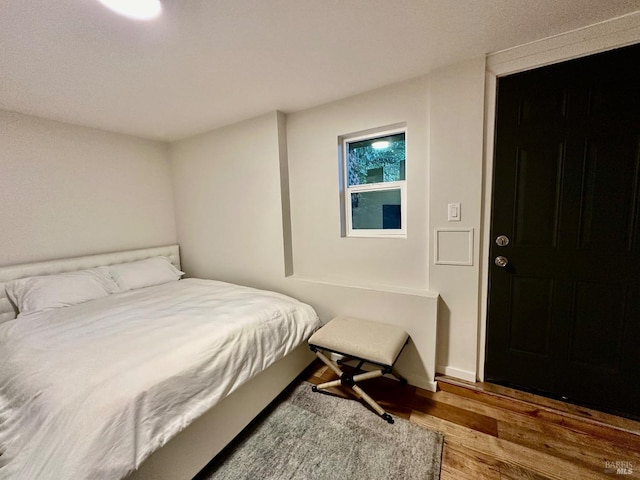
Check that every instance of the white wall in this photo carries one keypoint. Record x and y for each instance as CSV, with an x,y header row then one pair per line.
x,y
228,203
319,250
456,138
381,279
68,190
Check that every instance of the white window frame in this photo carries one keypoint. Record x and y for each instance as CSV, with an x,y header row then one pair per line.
x,y
373,187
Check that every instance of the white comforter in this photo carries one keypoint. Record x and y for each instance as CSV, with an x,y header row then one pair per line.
x,y
89,391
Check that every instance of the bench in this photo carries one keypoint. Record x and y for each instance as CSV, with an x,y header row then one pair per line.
x,y
366,341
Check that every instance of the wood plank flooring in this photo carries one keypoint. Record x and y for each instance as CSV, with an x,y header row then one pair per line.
x,y
493,432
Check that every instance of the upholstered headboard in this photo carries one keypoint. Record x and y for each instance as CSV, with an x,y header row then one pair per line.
x,y
8,311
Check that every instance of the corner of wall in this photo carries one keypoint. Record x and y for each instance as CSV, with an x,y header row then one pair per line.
x,y
287,239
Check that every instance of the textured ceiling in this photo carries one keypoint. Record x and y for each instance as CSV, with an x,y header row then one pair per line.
x,y
207,63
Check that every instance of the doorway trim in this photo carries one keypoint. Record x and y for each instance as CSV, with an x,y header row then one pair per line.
x,y
607,35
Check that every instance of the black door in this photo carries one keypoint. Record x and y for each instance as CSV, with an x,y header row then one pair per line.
x,y
564,312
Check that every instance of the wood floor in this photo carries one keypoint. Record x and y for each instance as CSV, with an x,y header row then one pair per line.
x,y
494,432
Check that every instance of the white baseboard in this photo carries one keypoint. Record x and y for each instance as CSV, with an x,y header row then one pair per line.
x,y
456,373
420,382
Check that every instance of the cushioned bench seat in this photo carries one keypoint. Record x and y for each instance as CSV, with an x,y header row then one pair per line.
x,y
375,342
367,341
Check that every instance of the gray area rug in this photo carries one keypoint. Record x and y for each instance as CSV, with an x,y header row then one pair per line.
x,y
314,436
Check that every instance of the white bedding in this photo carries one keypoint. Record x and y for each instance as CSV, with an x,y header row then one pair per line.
x,y
90,390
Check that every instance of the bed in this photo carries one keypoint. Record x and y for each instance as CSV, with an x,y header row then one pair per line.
x,y
143,381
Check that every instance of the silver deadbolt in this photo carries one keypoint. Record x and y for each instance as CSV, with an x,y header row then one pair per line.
x,y
501,261
502,241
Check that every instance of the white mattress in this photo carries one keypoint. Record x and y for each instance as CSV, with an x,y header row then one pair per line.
x,y
89,391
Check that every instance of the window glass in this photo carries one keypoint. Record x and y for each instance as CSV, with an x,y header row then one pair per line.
x,y
376,210
376,160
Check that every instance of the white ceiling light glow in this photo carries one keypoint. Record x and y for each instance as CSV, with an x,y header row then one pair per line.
x,y
135,9
380,144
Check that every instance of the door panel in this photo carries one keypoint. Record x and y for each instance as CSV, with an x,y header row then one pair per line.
x,y
564,313
608,216
590,343
536,218
542,107
531,302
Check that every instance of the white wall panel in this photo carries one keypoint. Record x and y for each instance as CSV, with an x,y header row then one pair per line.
x,y
319,250
228,203
456,126
67,191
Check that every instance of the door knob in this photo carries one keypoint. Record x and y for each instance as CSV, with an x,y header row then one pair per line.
x,y
501,261
502,241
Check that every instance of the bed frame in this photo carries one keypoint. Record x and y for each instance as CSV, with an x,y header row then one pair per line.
x,y
189,451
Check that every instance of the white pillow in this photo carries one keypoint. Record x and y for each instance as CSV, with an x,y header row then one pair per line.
x,y
144,273
33,294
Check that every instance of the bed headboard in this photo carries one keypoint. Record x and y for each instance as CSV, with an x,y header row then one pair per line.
x,y
8,311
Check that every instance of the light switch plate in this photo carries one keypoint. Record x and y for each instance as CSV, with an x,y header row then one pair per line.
x,y
453,212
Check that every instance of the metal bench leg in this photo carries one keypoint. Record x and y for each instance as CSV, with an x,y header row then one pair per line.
x,y
351,382
328,362
372,403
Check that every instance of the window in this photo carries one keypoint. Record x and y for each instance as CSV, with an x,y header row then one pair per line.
x,y
375,184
